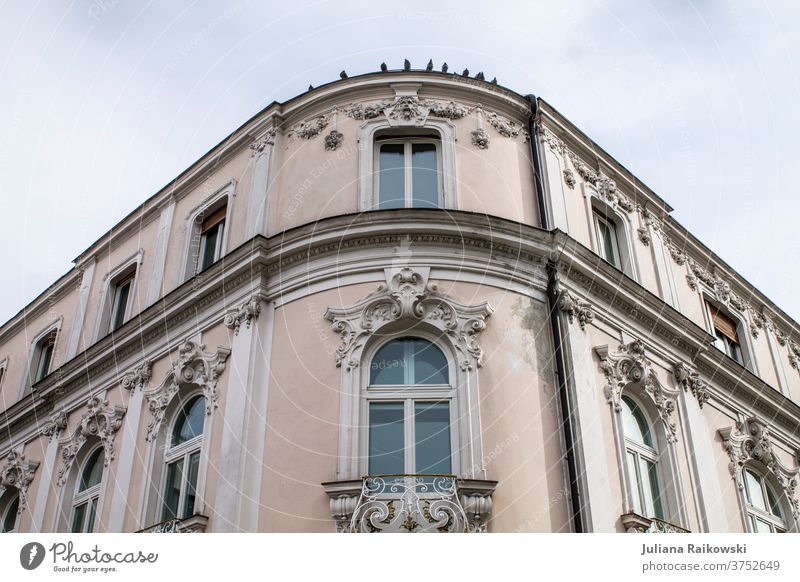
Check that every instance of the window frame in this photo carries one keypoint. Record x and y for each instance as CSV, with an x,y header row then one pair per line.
x,y
11,504
754,513
746,359
409,394
123,272
650,454
601,212
407,142
88,495
223,197
181,452
31,376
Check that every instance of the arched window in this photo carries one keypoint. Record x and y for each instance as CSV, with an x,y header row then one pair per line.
x,y
87,493
764,514
642,460
9,518
182,460
409,404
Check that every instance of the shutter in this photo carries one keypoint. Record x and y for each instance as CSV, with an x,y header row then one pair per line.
x,y
213,220
723,324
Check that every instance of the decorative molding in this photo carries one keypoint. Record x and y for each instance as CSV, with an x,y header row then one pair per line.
x,y
629,367
194,368
55,425
18,473
569,178
690,380
480,138
644,236
553,143
138,377
333,140
100,421
407,296
503,126
245,313
750,440
309,129
267,139
575,308
635,523
794,355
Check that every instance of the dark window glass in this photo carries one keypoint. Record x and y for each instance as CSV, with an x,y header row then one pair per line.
x,y
432,434
392,176
386,440
120,306
189,423
93,471
409,361
172,493
424,176
10,518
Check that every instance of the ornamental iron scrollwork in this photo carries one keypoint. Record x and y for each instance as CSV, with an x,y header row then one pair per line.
x,y
100,421
630,368
750,440
18,474
194,368
407,296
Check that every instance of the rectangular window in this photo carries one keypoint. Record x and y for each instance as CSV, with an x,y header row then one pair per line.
x,y
408,175
44,356
172,493
725,330
211,234
386,438
121,290
607,240
432,435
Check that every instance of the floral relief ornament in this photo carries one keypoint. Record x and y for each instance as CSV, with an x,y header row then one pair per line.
x,y
575,308
245,313
690,380
18,473
193,368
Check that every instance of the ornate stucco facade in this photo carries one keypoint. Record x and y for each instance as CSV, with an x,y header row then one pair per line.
x,y
264,280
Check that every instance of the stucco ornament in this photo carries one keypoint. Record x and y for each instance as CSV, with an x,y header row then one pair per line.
x,y
569,178
194,368
575,308
480,138
794,355
244,314
333,140
630,368
309,129
99,421
690,380
138,377
267,139
17,473
407,296
750,440
55,425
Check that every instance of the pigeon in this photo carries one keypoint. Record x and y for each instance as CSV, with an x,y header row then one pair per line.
x,y
444,67
465,73
384,68
343,75
310,87
430,65
480,76
406,65
494,81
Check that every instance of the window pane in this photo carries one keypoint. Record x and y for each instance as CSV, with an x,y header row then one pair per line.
x,y
208,246
44,360
92,512
608,241
191,484
392,176
634,424
424,176
172,491
633,471
774,506
430,365
652,495
432,433
754,491
189,423
77,518
10,519
120,304
92,471
386,444
389,364
763,526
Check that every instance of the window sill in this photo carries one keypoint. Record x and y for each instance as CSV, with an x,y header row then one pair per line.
x,y
194,524
635,523
410,504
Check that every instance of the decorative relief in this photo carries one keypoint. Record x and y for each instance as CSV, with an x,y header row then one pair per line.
x,y
139,377
18,473
56,424
553,143
690,380
794,355
630,368
245,313
99,421
268,139
569,178
407,296
480,138
575,308
194,368
644,236
333,140
751,440
504,127
309,129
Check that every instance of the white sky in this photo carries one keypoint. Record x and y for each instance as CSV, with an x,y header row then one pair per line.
x,y
103,102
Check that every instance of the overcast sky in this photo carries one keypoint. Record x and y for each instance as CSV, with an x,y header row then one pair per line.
x,y
103,102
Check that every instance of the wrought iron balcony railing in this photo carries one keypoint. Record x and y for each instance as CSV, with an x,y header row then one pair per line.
x,y
411,504
193,524
635,523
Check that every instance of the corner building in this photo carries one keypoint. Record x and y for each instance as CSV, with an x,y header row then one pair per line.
x,y
404,301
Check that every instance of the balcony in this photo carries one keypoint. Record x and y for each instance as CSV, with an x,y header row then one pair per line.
x,y
193,524
635,523
410,504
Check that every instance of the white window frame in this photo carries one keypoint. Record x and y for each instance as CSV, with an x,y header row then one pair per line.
x,y
368,165
409,395
407,143
754,513
642,451
597,207
182,452
34,356
748,361
103,322
86,497
194,223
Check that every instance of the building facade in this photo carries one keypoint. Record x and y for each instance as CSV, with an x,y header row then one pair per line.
x,y
404,301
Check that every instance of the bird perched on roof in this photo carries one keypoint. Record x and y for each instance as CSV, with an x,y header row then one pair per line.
x,y
343,74
480,76
384,68
494,80
430,65
310,87
406,65
444,67
465,73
